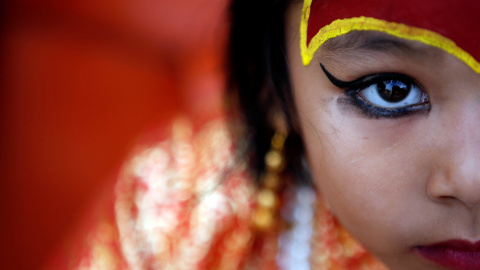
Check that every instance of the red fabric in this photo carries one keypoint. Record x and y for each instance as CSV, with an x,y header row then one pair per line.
x,y
81,81
454,19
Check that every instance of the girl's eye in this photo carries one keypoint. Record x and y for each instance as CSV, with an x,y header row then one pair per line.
x,y
393,94
384,94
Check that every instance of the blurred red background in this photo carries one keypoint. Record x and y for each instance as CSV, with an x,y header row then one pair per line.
x,y
81,80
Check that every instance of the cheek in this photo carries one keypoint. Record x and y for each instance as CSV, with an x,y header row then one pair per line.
x,y
370,172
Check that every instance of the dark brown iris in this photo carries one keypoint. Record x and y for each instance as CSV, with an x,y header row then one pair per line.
x,y
393,90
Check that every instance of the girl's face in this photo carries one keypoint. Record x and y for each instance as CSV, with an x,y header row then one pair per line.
x,y
396,157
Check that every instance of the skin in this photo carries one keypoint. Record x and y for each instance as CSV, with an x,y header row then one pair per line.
x,y
393,183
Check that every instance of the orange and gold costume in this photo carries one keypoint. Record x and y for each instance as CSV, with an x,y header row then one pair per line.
x,y
187,203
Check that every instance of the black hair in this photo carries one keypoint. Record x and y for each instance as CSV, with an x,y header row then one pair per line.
x,y
259,84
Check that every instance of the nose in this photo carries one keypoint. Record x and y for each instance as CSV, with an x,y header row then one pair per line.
x,y
463,185
457,173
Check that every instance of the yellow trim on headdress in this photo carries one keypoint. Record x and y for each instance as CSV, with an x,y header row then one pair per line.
x,y
343,26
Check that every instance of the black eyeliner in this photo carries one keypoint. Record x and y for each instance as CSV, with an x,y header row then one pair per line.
x,y
368,110
365,81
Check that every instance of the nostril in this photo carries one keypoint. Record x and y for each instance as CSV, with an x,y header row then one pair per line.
x,y
440,189
469,202
440,198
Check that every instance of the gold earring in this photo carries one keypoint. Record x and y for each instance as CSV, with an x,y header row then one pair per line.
x,y
267,204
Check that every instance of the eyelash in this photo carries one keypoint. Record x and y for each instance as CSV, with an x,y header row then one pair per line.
x,y
354,89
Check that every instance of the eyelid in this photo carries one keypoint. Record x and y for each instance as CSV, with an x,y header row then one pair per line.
x,y
367,80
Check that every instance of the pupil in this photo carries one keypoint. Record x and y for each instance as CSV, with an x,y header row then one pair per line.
x,y
392,90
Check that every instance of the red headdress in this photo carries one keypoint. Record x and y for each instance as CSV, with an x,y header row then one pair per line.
x,y
450,25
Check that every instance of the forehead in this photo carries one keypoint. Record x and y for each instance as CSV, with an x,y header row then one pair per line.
x,y
448,24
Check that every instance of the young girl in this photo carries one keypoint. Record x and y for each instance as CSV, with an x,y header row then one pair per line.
x,y
358,121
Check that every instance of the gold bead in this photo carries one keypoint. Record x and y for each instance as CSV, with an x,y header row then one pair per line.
x,y
271,181
278,141
263,218
267,199
273,160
